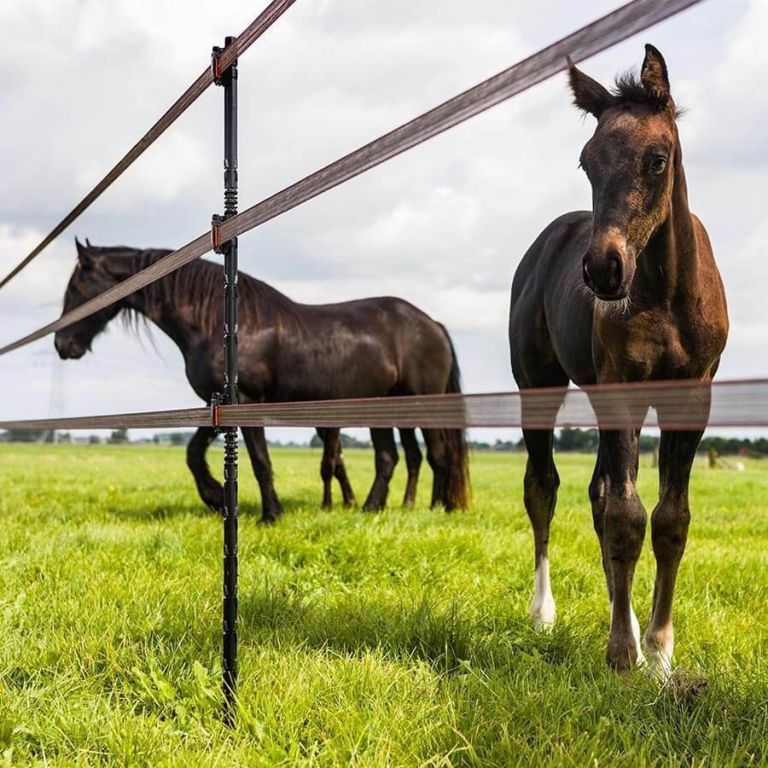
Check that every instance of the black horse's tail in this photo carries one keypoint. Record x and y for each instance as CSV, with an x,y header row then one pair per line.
x,y
457,485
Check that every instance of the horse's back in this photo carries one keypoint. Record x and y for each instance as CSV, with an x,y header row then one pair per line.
x,y
362,348
411,341
550,318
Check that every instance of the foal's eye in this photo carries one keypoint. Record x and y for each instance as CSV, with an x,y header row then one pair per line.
x,y
658,164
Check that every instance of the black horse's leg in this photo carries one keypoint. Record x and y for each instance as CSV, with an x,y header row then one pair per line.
x,y
437,458
330,438
386,460
669,532
332,465
340,473
262,468
210,490
413,460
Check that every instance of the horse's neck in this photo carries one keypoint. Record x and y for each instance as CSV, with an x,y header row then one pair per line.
x,y
168,318
669,264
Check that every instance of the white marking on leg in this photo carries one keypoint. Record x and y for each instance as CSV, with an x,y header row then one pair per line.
x,y
636,634
635,624
543,603
659,647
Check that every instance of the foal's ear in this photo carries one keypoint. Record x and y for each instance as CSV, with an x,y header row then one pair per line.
x,y
654,77
588,94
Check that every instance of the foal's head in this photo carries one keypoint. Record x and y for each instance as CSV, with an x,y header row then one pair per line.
x,y
629,162
97,269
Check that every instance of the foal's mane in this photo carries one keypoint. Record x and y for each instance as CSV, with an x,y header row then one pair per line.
x,y
197,287
629,89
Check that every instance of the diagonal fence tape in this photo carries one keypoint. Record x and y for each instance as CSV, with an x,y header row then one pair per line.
x,y
159,269
246,38
587,41
677,405
186,417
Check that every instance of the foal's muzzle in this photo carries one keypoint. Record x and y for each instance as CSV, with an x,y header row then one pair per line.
x,y
604,273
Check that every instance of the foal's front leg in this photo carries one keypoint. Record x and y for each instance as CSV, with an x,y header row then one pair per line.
x,y
540,497
624,521
598,493
669,532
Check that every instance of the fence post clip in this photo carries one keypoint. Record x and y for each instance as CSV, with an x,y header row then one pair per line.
x,y
219,74
216,400
216,64
216,222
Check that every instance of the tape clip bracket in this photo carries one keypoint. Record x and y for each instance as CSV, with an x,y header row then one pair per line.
x,y
216,400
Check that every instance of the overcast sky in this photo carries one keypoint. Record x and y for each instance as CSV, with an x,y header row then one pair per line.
x,y
443,226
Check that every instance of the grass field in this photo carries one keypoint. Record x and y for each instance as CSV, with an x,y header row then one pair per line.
x,y
397,639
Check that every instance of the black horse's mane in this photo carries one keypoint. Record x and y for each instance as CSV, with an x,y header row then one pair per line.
x,y
196,289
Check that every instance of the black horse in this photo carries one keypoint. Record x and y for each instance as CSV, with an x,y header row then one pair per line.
x,y
288,351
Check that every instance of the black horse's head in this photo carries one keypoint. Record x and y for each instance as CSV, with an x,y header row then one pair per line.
x,y
97,269
630,162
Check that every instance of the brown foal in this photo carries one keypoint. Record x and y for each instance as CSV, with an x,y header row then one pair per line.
x,y
626,292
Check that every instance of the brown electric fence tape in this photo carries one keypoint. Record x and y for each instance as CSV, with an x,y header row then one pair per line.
x,y
249,35
676,405
185,417
587,41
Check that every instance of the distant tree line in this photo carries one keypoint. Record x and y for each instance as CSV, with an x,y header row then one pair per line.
x,y
585,441
566,441
733,446
347,441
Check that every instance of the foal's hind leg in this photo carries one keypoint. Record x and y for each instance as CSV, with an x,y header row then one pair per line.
x,y
386,459
669,532
413,461
210,490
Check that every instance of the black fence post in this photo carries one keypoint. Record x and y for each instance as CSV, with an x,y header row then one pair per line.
x,y
228,79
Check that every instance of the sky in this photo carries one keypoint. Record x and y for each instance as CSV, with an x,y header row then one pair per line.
x,y
443,226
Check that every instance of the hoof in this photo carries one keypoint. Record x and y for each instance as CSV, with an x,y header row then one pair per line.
x,y
213,498
624,658
658,652
543,613
270,513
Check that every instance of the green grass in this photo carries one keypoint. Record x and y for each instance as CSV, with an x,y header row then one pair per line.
x,y
397,639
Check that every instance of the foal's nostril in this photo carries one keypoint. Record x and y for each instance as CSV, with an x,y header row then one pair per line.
x,y
613,269
585,273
